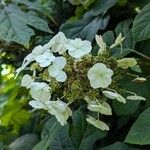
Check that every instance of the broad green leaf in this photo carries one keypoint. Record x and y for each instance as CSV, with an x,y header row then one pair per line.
x,y
62,140
101,6
83,134
125,109
140,131
92,21
118,146
85,28
36,5
24,142
50,130
37,22
109,38
14,25
141,24
54,137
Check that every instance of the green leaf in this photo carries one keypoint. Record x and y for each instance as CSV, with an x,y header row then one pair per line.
x,y
85,28
84,135
36,5
101,6
124,28
62,140
37,22
139,132
24,142
85,3
109,38
141,24
92,21
14,25
125,109
50,130
118,146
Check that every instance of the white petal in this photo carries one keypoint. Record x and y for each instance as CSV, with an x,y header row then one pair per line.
x,y
97,123
37,104
53,71
61,77
111,95
40,94
57,43
78,53
60,62
40,91
45,59
41,86
27,81
121,99
135,97
37,50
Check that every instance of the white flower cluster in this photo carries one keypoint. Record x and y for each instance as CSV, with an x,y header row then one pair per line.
x,y
51,56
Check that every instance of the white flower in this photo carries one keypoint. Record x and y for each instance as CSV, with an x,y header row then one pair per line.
x,y
136,97
57,108
57,43
118,41
45,59
103,108
27,81
101,44
114,95
61,111
126,63
40,54
97,123
55,70
38,50
78,48
100,76
40,91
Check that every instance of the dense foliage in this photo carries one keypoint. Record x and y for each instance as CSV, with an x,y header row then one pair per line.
x,y
125,41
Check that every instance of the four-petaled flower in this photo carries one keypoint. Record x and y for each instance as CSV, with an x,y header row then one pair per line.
x,y
78,48
125,63
57,43
40,91
57,108
45,59
100,76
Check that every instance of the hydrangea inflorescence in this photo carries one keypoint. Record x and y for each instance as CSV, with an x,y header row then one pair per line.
x,y
66,68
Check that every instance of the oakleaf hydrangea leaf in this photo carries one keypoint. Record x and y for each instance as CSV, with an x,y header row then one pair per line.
x,y
14,24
